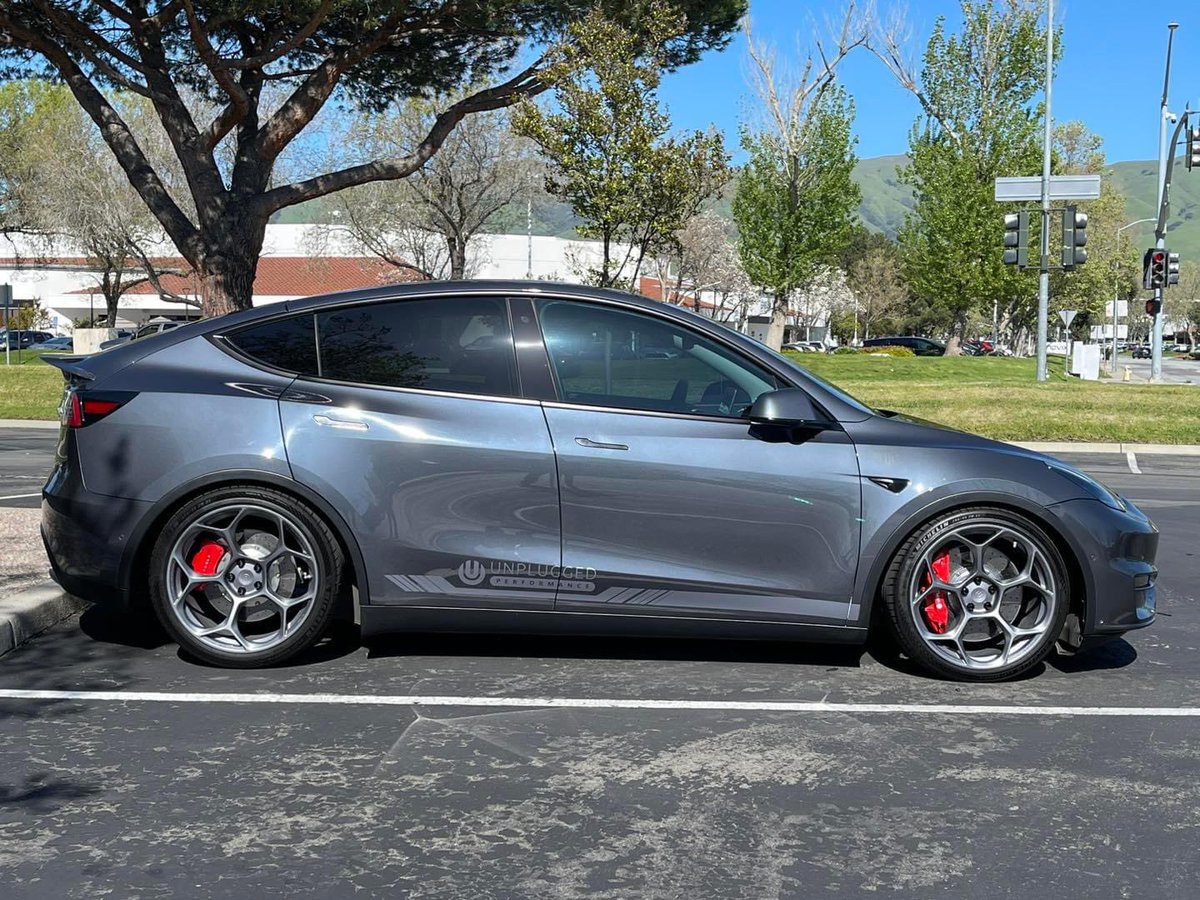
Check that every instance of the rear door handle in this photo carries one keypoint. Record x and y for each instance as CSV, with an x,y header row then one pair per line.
x,y
599,445
347,424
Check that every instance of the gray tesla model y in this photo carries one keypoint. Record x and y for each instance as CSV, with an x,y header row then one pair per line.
x,y
500,457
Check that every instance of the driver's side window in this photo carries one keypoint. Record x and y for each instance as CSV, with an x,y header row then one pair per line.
x,y
608,357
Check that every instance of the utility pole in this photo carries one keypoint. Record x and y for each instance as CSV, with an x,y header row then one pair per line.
x,y
529,229
1160,242
6,293
1044,268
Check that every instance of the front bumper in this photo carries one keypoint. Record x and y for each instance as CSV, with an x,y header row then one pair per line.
x,y
1116,551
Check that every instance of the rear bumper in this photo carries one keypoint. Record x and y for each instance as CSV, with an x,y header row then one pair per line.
x,y
1117,550
86,538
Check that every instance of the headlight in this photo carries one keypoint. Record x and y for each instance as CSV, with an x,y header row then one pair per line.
x,y
1093,487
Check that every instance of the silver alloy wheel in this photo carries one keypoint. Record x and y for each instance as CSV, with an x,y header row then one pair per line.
x,y
983,594
242,577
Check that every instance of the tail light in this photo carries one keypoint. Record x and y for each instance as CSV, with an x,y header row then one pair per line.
x,y
82,408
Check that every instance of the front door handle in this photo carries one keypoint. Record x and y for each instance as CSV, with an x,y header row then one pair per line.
x,y
347,424
599,445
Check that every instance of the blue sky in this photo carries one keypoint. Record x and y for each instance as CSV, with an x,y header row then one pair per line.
x,y
1110,75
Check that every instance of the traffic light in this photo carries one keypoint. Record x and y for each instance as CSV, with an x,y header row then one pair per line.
x,y
1153,307
1154,269
1074,238
1016,239
1192,159
1172,268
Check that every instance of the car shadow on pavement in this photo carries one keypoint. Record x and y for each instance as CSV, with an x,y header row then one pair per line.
x,y
618,648
1112,655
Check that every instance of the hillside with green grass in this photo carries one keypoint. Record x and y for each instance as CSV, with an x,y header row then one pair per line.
x,y
885,203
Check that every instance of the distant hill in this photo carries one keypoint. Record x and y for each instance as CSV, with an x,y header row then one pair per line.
x,y
885,202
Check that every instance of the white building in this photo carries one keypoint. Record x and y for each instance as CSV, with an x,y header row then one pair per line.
x,y
302,260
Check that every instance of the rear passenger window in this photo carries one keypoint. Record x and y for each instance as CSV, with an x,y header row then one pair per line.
x,y
454,344
288,344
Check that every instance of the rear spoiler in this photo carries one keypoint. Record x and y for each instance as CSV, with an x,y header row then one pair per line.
x,y
70,366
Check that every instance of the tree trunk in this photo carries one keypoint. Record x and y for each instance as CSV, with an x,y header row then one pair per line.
x,y
775,330
227,269
111,302
457,249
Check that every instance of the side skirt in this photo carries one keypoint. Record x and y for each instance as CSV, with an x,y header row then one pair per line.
x,y
378,620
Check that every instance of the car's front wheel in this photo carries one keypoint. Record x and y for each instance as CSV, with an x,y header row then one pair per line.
x,y
245,576
978,594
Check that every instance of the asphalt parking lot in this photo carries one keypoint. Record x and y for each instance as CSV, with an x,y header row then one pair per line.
x,y
441,767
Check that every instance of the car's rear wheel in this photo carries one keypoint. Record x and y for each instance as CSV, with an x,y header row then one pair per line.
x,y
978,594
245,576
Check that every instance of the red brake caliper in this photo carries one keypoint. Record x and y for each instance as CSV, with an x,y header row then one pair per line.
x,y
207,559
937,613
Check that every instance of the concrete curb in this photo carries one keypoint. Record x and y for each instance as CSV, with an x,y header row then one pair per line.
x,y
1085,447
28,423
29,613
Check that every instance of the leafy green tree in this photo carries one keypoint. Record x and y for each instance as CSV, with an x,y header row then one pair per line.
x,y
795,198
1079,151
980,119
608,143
61,186
267,69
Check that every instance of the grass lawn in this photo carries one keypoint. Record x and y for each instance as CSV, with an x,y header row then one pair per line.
x,y
990,396
999,398
29,391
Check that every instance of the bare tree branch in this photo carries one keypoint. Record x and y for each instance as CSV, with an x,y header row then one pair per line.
x,y
526,83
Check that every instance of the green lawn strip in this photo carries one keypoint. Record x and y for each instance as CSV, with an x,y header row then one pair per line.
x,y
29,392
999,398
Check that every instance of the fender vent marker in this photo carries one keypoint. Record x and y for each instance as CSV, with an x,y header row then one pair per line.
x,y
895,485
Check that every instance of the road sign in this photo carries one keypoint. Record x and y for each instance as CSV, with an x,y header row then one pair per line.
x,y
1062,187
1067,316
1122,308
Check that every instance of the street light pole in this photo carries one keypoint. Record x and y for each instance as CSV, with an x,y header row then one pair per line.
x,y
1161,238
1044,268
1112,360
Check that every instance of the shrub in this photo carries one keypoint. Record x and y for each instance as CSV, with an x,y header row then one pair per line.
x,y
843,351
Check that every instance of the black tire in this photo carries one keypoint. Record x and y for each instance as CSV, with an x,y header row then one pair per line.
x,y
900,574
329,564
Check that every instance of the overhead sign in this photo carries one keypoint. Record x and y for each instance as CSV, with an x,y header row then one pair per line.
x,y
1062,187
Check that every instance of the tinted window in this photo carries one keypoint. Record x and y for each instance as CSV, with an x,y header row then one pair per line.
x,y
287,344
606,357
459,344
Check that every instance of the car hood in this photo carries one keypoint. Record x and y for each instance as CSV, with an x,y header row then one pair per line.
x,y
899,428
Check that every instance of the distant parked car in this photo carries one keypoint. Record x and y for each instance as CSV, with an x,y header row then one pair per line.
x,y
1141,351
58,345
22,340
918,345
1181,348
144,331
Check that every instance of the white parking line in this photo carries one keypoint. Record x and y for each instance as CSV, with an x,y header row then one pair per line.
x,y
1131,457
19,497
792,706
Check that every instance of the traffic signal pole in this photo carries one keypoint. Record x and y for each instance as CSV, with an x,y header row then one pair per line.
x,y
1160,235
1044,267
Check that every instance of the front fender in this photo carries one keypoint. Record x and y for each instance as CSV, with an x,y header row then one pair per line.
x,y
886,526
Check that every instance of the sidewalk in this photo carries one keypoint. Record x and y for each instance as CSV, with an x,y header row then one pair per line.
x,y
29,603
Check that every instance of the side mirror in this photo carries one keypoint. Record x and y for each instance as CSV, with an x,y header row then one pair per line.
x,y
786,406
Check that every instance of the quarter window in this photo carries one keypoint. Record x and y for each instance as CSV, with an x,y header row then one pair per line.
x,y
287,344
607,357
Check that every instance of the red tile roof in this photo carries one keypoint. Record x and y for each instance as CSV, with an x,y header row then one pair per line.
x,y
302,276
653,288
284,276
